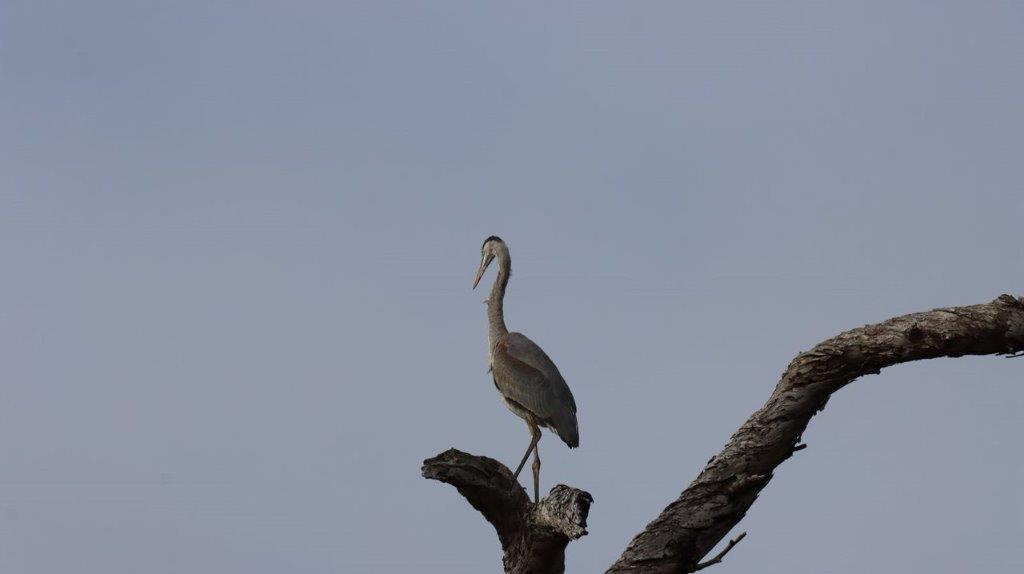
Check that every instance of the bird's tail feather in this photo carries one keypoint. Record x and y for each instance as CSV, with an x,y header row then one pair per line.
x,y
568,430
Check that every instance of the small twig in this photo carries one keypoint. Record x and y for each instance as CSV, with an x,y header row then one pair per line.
x,y
799,447
720,555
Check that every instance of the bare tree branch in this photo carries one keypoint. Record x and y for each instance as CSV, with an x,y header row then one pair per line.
x,y
719,498
533,536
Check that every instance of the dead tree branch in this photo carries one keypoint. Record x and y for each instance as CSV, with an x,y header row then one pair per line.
x,y
534,537
716,501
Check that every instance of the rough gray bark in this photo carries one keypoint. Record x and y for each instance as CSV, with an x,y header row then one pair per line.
x,y
691,526
533,536
705,512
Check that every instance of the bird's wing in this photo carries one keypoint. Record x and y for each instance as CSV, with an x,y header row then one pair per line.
x,y
521,348
525,374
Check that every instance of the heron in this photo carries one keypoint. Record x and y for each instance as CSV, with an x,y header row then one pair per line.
x,y
527,379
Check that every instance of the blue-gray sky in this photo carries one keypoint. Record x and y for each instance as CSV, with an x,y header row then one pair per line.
x,y
237,242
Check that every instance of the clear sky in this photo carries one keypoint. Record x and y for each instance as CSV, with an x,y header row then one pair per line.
x,y
238,238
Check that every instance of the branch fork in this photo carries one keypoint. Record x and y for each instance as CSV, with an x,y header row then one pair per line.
x,y
533,536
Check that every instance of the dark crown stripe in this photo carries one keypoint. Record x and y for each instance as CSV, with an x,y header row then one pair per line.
x,y
491,238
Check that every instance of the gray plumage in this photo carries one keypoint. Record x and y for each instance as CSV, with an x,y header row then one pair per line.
x,y
527,379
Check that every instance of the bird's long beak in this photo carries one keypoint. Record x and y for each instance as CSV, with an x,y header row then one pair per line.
x,y
484,262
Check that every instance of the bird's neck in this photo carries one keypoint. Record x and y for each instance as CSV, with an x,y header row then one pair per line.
x,y
495,303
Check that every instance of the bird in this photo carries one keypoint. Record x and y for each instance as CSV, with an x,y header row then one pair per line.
x,y
527,379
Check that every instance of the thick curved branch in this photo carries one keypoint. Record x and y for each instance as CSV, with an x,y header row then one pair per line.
x,y
533,536
705,512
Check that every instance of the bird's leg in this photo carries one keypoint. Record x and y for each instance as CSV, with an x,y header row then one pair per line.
x,y
536,472
535,431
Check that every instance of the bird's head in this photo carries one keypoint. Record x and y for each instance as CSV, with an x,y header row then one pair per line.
x,y
492,246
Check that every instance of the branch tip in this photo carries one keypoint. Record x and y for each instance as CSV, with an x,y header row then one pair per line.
x,y
1009,299
718,557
